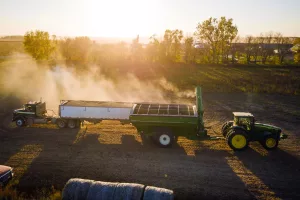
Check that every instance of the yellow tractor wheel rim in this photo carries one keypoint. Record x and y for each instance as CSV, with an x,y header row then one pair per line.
x,y
270,142
238,141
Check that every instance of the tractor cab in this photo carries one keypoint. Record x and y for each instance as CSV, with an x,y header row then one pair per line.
x,y
243,119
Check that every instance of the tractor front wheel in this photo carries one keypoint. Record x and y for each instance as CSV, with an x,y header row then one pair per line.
x,y
270,142
237,140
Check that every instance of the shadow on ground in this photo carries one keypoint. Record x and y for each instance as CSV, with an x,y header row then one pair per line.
x,y
206,175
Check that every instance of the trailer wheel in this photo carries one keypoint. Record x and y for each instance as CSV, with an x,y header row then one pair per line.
x,y
165,139
20,122
72,123
61,123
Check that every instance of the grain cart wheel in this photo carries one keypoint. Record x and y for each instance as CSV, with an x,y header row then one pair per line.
x,y
146,139
164,139
71,123
237,140
20,122
270,142
225,128
61,123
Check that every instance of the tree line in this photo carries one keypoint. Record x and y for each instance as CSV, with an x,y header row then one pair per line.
x,y
214,41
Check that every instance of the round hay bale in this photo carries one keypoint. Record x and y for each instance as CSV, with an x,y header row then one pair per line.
x,y
129,191
101,190
158,193
76,188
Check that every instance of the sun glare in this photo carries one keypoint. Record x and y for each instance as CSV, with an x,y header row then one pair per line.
x,y
120,18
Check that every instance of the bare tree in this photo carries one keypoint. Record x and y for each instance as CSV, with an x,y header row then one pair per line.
x,y
267,49
248,48
282,44
258,42
234,48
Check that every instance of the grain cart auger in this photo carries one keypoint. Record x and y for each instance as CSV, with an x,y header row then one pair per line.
x,y
243,129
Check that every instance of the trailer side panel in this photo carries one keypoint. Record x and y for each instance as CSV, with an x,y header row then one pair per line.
x,y
94,112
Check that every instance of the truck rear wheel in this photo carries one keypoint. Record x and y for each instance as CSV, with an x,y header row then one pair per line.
x,y
61,123
165,139
237,140
72,123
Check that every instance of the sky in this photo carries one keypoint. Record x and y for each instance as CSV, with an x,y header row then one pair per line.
x,y
128,18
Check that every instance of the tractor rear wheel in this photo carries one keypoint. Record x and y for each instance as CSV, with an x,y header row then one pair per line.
x,y
270,142
237,140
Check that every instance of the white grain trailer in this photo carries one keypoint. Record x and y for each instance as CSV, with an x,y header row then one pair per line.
x,y
72,112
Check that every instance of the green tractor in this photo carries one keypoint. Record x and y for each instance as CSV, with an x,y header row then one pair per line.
x,y
244,129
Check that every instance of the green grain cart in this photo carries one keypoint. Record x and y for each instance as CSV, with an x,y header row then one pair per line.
x,y
165,122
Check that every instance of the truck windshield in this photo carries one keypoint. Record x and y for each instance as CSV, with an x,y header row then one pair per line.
x,y
28,108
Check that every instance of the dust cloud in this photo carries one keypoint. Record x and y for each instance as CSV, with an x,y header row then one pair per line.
x,y
171,88
26,79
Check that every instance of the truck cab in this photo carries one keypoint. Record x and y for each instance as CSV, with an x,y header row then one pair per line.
x,y
29,112
244,129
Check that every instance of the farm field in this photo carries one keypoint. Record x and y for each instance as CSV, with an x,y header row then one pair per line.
x,y
44,156
171,96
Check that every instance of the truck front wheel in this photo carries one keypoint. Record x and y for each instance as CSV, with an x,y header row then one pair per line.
x,y
20,122
165,139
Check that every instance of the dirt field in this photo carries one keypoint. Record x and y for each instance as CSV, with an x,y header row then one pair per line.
x,y
45,156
